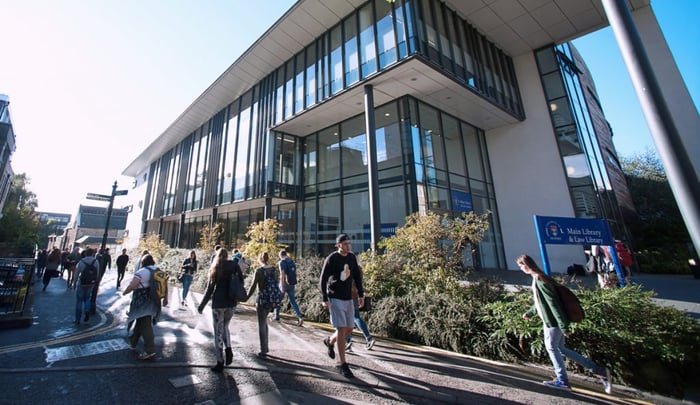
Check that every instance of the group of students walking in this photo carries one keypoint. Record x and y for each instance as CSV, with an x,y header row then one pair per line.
x,y
342,292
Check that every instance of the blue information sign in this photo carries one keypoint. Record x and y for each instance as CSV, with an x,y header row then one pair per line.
x,y
574,231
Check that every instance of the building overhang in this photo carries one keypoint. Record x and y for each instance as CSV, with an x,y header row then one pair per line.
x,y
517,27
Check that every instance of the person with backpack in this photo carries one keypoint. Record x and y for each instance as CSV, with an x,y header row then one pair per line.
x,y
105,261
269,297
549,308
288,282
340,270
145,305
84,280
222,304
73,258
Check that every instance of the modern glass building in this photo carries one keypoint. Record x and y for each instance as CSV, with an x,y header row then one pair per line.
x,y
349,124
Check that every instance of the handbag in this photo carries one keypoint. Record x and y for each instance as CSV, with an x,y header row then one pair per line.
x,y
572,306
236,290
367,306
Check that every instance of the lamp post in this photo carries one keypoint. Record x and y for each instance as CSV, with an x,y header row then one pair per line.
x,y
110,198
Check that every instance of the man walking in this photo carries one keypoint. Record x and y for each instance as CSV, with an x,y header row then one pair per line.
x,y
122,262
105,260
339,271
288,281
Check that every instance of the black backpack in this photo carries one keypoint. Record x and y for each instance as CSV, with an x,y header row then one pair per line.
x,y
89,274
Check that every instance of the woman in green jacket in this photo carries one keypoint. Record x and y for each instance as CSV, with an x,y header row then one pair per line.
x,y
556,327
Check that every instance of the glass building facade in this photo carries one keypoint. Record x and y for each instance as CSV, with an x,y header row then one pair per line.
x,y
585,146
240,166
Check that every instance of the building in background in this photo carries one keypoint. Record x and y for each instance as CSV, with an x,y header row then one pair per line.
x,y
470,107
51,228
88,228
7,148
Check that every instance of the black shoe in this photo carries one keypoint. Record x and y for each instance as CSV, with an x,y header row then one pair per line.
x,y
331,351
87,317
229,356
219,367
344,369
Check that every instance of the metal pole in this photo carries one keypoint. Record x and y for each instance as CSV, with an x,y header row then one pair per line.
x,y
372,174
109,215
674,157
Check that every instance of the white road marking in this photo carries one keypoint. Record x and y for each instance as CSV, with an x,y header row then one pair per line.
x,y
86,349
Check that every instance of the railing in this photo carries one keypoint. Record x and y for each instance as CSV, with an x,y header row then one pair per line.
x,y
16,278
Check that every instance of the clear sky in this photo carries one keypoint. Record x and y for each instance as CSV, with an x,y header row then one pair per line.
x,y
92,83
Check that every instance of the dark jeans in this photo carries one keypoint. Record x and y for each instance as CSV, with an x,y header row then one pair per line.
x,y
82,302
144,328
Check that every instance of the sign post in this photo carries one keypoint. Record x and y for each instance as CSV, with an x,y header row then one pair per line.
x,y
575,231
110,198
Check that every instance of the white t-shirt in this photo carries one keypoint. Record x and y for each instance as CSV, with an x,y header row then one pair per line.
x,y
145,275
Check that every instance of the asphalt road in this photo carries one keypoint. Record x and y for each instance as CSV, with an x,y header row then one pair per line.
x,y
57,362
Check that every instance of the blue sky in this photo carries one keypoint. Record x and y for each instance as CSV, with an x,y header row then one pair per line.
x,y
91,83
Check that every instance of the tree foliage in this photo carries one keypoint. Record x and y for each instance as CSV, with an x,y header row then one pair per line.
x,y
262,237
19,225
426,253
155,246
210,236
660,237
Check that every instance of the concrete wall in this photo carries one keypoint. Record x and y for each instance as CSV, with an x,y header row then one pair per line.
x,y
528,175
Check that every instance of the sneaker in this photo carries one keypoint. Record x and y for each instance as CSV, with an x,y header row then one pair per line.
x,y
348,346
146,356
300,321
370,344
331,351
87,317
607,381
218,368
344,369
557,384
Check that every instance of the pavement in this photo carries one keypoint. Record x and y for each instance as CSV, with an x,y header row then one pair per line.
x,y
57,361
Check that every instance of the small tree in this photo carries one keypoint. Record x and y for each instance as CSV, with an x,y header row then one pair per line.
x,y
210,236
262,237
426,253
155,246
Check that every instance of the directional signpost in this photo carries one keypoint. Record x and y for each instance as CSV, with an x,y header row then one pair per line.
x,y
110,198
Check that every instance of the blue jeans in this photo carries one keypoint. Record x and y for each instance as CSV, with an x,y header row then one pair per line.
x,y
222,337
82,302
554,342
360,325
186,283
292,302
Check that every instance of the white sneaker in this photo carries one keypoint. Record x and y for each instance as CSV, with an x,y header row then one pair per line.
x,y
607,381
370,344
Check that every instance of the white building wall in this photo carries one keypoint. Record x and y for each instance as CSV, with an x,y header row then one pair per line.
x,y
678,100
528,175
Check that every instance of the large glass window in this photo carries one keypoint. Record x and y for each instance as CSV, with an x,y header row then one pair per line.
x,y
336,67
311,75
289,89
368,53
354,151
202,163
230,138
352,71
242,149
299,83
328,155
386,37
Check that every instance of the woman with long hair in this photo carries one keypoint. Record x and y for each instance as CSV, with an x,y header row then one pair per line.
x,y
556,327
264,275
189,267
222,305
